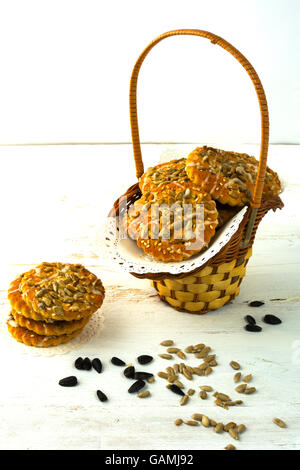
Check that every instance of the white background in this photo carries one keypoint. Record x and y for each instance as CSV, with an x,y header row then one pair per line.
x,y
66,66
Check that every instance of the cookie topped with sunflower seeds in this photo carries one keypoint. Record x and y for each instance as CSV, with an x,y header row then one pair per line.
x,y
56,291
229,177
172,223
163,174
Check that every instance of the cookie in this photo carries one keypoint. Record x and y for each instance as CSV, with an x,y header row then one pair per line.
x,y
229,176
56,291
163,174
53,328
169,223
30,338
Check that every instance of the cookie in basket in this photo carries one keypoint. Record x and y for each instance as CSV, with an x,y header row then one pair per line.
x,y
53,328
56,291
174,222
162,174
30,338
229,176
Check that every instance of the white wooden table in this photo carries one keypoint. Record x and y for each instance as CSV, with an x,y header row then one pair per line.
x,y
53,199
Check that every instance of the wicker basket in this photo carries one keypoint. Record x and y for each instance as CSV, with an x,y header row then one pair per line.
x,y
218,281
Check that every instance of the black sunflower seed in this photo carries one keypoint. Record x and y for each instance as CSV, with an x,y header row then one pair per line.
x,y
254,328
68,381
145,359
101,396
271,320
86,364
97,365
176,390
136,386
256,303
78,363
142,375
250,319
117,362
129,372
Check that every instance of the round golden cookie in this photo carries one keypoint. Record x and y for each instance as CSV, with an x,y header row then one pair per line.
x,y
56,291
162,174
55,328
229,176
169,224
30,338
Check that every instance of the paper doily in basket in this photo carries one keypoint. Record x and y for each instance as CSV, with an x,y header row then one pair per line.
x,y
91,329
131,258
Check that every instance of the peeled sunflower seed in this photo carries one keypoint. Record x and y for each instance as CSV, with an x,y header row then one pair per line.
x,y
233,434
144,394
205,421
167,342
173,350
117,362
241,428
229,425
162,375
203,394
68,381
136,386
250,390
184,400
144,359
237,377
219,428
279,422
97,365
241,388
129,372
101,396
151,380
235,365
165,356
247,378
197,416
190,392
178,422
208,371
207,388
230,447
181,354
191,423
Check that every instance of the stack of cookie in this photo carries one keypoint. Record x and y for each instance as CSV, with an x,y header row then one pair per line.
x,y
52,303
221,182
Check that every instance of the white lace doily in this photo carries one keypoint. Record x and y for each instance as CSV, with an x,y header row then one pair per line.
x,y
90,330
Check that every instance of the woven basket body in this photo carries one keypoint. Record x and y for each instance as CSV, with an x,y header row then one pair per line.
x,y
218,281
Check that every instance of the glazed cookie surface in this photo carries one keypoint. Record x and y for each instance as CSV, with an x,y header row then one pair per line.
x,y
229,176
55,328
174,222
163,174
30,338
56,291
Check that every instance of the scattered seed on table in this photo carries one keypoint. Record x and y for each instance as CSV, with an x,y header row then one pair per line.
x,y
197,371
191,423
212,423
253,328
210,358
199,347
117,362
247,378
144,394
250,319
151,380
178,422
241,388
101,396
142,375
271,320
237,377
230,447
241,428
220,403
219,428
176,368
203,366
207,388
233,434
78,363
279,422
86,364
166,356
181,354
203,394
129,372
176,390
238,402
144,359
172,378
184,400
229,425
235,365
205,421
97,365
250,390
213,363
173,350
222,396
167,342
189,349
190,392
162,375
178,383
187,374
256,303
208,371
68,381
170,371
197,416
136,386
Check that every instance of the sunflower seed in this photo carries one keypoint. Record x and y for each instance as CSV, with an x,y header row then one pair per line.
x,y
136,386
181,355
208,371
190,392
279,422
241,388
189,349
167,342
230,425
78,363
176,368
129,372
203,394
205,421
250,390
142,375
241,428
247,378
97,365
145,359
170,371
233,434
230,447
253,328
220,403
173,350
256,303
191,423
144,394
187,374
219,428
213,363
86,364
184,400
237,377
165,356
175,389
197,371
101,396
68,381
199,346
271,320
223,396
212,423
117,362
172,378
151,380
209,358
178,422
162,375
197,416
178,383
206,388
235,365
250,319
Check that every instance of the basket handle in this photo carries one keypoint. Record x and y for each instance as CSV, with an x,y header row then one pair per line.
x,y
255,203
